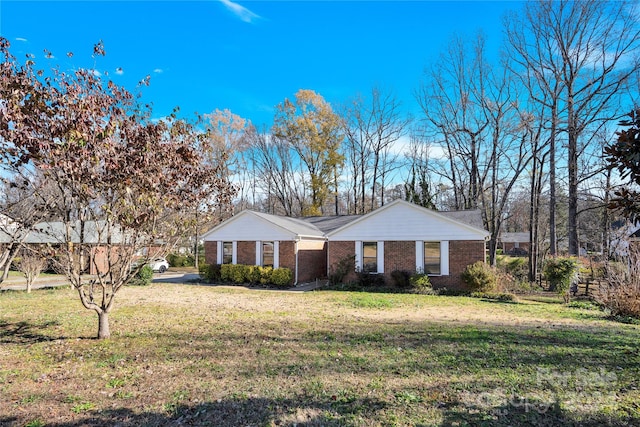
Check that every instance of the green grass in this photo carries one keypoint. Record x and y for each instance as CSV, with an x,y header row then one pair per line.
x,y
218,356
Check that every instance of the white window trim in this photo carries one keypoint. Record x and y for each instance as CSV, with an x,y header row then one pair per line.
x,y
379,255
234,253
220,252
444,257
276,252
420,256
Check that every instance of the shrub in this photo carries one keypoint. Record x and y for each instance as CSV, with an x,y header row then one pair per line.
x,y
254,274
480,277
234,273
210,272
281,277
620,294
561,273
370,280
265,275
342,268
142,277
516,267
420,283
401,279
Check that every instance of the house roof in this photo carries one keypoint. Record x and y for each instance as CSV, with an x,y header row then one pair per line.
x,y
243,226
95,232
404,220
514,237
327,224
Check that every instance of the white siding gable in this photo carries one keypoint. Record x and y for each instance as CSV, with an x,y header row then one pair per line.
x,y
401,220
248,227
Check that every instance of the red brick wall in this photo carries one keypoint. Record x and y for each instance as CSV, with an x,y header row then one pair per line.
x,y
401,255
312,257
339,251
287,255
461,254
312,260
246,253
211,252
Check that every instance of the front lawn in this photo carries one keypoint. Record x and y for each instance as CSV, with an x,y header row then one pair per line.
x,y
201,355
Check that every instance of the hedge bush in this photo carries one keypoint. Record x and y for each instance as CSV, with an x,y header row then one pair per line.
x,y
143,277
255,274
480,277
210,272
561,273
281,277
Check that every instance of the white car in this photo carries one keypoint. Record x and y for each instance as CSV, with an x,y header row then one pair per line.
x,y
159,264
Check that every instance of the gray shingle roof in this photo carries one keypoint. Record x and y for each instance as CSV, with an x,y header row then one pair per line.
x,y
326,224
514,237
469,217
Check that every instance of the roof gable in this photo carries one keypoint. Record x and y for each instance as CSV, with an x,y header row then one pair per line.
x,y
250,225
402,220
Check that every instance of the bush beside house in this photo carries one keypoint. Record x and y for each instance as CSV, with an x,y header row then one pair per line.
x,y
252,274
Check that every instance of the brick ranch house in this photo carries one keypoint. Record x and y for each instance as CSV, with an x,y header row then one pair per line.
x,y
397,236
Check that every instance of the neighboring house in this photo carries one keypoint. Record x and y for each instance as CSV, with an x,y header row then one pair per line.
x,y
96,237
516,244
397,236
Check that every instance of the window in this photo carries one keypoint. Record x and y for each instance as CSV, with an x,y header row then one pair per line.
x,y
369,257
227,252
432,257
267,254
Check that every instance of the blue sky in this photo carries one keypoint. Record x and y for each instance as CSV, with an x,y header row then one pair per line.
x,y
248,56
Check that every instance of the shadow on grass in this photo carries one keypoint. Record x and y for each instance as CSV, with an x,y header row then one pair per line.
x,y
522,411
25,332
303,412
231,412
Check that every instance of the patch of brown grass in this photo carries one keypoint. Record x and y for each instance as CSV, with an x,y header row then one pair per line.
x,y
199,355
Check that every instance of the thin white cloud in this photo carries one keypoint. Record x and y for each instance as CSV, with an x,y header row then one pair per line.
x,y
158,71
21,39
241,12
96,73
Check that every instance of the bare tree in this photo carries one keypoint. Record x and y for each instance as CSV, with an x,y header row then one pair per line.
x,y
581,55
372,126
31,264
472,108
278,179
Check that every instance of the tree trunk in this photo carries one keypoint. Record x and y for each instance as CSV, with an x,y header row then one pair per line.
x,y
573,180
553,243
103,325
